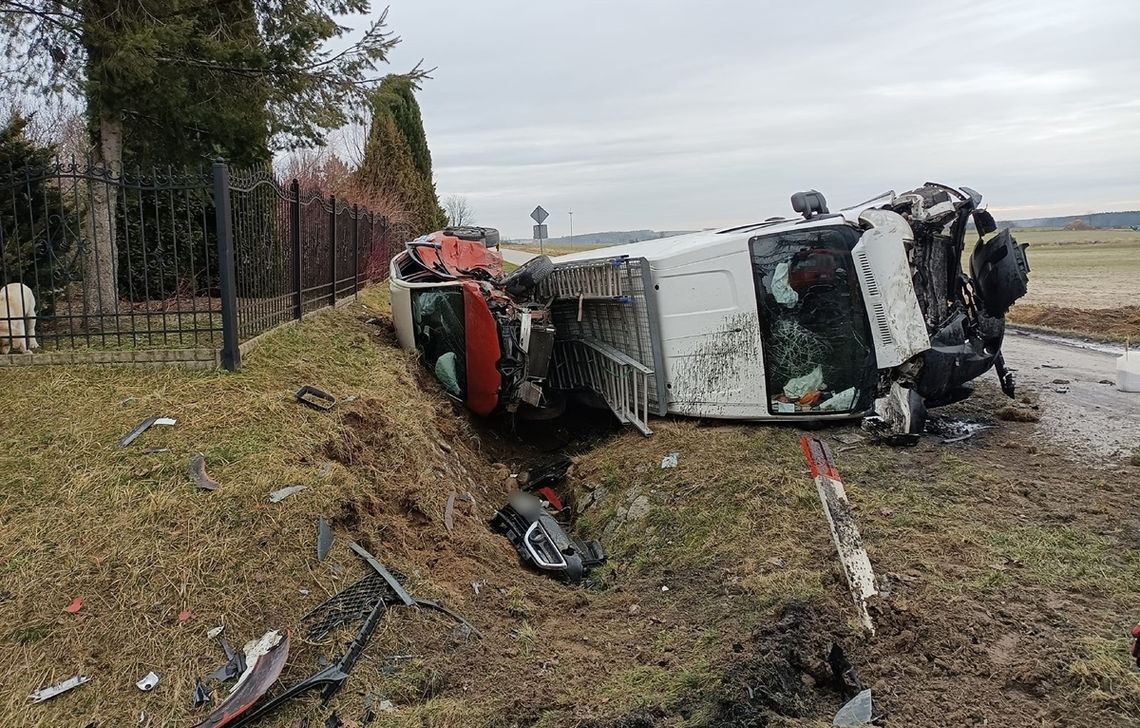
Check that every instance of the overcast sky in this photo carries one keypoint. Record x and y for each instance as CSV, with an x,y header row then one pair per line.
x,y
675,115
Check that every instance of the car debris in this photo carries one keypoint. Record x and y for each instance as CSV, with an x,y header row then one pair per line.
x,y
147,682
200,695
265,659
670,460
75,605
856,712
1135,651
279,495
449,508
324,539
841,520
197,472
331,678
142,427
235,661
315,398
540,540
834,315
58,689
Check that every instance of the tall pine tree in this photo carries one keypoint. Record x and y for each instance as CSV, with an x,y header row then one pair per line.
x,y
397,161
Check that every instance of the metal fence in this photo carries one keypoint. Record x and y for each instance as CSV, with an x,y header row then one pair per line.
x,y
173,263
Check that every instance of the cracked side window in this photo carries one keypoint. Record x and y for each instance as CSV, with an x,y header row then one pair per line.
x,y
817,347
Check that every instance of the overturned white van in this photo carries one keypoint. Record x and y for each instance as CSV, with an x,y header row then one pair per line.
x,y
865,311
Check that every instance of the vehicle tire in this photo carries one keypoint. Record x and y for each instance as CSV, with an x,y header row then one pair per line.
x,y
528,276
488,236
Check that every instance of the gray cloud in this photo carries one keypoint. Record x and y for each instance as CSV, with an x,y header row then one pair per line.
x,y
674,115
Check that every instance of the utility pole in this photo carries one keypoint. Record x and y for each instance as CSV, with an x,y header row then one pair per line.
x,y
571,228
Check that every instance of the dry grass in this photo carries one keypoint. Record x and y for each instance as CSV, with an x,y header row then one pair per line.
x,y
1117,324
975,541
553,250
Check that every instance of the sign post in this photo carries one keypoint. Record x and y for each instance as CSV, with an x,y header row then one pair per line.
x,y
539,215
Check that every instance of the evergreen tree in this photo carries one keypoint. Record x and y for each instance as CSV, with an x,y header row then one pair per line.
x,y
144,60
34,222
397,161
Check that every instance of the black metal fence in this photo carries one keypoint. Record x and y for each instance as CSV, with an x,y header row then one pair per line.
x,y
187,260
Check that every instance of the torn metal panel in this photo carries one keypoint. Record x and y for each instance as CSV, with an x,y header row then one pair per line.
x,y
841,521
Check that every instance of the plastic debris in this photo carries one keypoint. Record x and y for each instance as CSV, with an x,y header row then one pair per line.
x,y
279,495
317,399
142,427
75,606
810,382
200,697
147,682
856,711
670,460
184,616
61,687
197,473
324,539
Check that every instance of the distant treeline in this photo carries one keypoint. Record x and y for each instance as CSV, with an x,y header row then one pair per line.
x,y
612,237
1095,219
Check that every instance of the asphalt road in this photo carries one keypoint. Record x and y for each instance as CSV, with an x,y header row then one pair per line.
x,y
518,257
1082,409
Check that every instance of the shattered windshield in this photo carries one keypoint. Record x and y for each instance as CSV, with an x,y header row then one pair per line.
x,y
817,348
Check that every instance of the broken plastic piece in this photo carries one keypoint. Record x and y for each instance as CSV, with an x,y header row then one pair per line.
x,y
185,616
61,687
279,495
841,520
449,512
147,682
317,399
372,561
856,712
324,539
197,473
200,696
75,606
142,427
235,661
266,658
670,460
540,540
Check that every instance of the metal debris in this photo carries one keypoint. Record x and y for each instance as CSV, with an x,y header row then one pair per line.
x,y
324,539
235,661
670,460
279,495
61,687
142,427
841,520
317,399
197,473
147,682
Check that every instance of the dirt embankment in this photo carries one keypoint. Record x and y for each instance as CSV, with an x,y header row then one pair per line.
x,y
1113,323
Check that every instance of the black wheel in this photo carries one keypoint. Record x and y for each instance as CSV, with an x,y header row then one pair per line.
x,y
488,236
528,276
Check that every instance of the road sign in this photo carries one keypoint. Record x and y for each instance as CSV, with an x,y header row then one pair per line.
x,y
539,215
540,232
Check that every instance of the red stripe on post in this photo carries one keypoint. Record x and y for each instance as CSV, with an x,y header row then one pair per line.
x,y
819,458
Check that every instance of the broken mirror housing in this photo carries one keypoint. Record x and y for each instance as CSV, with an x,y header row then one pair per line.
x,y
540,540
826,316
